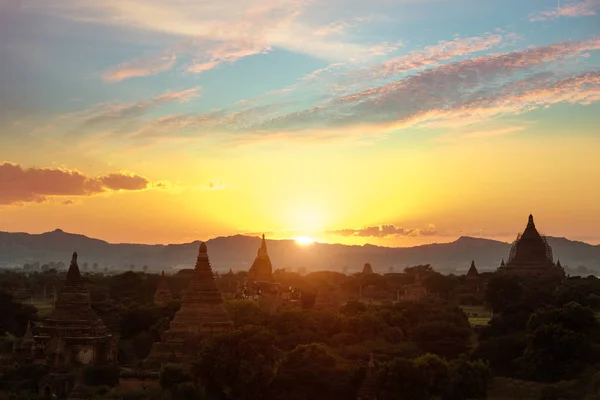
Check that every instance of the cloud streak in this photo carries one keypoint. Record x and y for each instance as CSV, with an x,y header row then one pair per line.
x,y
140,67
26,185
384,231
572,9
119,112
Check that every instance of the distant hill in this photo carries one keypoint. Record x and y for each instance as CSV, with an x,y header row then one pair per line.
x,y
238,252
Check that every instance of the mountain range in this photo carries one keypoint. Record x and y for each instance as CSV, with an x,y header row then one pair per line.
x,y
238,252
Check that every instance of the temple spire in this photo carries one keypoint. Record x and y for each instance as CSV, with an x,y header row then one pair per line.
x,y
28,334
530,222
502,263
472,273
73,275
261,269
262,251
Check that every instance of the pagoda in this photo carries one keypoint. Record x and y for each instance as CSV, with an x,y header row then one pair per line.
x,y
73,336
202,313
261,269
367,270
531,256
163,294
86,338
24,353
473,273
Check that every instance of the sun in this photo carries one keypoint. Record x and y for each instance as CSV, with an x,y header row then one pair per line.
x,y
304,240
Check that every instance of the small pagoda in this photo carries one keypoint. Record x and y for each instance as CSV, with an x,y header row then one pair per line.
x,y
415,292
202,313
163,294
531,256
25,351
368,387
261,269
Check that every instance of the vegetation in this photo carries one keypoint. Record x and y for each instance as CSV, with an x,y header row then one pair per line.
x,y
541,343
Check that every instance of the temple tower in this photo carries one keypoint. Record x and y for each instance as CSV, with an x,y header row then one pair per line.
x,y
163,294
261,269
86,338
531,256
73,336
202,313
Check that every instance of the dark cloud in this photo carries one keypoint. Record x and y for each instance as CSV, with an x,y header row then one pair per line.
x,y
25,185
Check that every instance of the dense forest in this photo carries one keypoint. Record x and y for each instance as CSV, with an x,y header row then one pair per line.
x,y
543,342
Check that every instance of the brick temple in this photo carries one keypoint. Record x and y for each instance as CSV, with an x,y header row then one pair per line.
x,y
202,313
72,337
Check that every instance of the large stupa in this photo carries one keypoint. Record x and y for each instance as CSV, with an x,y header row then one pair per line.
x,y
531,256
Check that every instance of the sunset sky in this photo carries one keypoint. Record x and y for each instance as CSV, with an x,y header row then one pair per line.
x,y
392,122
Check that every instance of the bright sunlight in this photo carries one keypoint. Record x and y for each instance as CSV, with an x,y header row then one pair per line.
x,y
304,240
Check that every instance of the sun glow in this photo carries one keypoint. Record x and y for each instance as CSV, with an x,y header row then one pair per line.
x,y
304,240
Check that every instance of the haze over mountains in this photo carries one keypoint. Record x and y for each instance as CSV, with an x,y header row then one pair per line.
x,y
238,252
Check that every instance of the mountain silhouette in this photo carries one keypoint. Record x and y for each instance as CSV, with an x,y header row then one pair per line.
x,y
238,252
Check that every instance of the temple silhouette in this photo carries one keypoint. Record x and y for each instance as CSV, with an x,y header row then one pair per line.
x,y
531,256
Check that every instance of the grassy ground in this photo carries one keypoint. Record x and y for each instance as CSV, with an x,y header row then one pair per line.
x,y
44,308
478,315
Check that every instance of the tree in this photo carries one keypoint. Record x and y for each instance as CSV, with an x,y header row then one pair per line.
x,y
502,291
14,316
402,379
309,372
245,312
468,380
442,338
555,353
238,364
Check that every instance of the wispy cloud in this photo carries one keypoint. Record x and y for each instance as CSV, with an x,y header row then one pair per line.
x,y
385,231
34,184
104,113
214,32
583,8
449,91
430,56
215,185
140,67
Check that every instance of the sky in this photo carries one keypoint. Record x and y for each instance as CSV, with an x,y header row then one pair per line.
x,y
390,122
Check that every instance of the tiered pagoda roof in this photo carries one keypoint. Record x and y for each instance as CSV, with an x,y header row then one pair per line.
x,y
261,269
202,312
202,309
73,316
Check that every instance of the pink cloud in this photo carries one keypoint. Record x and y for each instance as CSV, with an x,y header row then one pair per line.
x,y
140,67
119,112
432,55
572,9
25,185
